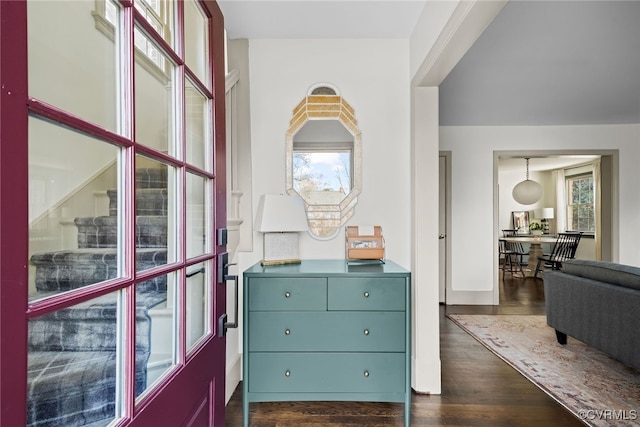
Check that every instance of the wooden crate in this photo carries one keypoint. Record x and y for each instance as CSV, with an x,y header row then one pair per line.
x,y
358,246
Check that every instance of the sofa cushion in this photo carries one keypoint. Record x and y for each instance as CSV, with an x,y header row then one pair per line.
x,y
608,272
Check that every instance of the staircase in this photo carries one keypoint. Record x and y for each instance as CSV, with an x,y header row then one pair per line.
x,y
72,352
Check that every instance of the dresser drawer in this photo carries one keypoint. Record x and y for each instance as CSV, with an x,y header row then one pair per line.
x,y
327,372
327,331
366,293
276,293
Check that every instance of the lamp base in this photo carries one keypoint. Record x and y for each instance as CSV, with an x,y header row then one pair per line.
x,y
280,262
545,225
280,248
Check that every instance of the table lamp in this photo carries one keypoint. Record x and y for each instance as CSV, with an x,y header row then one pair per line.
x,y
544,214
280,218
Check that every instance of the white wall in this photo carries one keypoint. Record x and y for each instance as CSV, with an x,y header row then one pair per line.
x,y
444,32
474,267
426,367
373,76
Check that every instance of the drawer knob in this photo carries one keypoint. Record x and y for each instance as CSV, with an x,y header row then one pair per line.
x,y
287,373
366,374
366,332
287,332
287,294
366,294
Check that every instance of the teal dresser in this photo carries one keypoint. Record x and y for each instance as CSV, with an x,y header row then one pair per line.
x,y
327,330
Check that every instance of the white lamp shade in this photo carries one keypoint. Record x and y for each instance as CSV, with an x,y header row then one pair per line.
x,y
544,213
527,192
547,213
277,212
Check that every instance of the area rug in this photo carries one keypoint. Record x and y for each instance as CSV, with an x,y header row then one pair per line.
x,y
596,388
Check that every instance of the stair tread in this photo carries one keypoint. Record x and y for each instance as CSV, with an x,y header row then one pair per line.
x,y
71,269
75,387
151,177
92,325
104,307
102,231
149,201
106,255
111,220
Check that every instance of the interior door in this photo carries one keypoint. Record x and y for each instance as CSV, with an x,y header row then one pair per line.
x,y
113,135
442,228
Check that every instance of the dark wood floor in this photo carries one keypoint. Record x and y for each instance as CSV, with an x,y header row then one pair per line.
x,y
478,388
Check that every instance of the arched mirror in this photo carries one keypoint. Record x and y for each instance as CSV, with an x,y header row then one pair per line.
x,y
323,162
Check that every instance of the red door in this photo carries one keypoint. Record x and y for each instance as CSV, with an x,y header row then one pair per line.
x,y
112,191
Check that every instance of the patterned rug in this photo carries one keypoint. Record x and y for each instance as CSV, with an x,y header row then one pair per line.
x,y
596,388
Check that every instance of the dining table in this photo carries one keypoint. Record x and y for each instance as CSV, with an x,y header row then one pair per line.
x,y
535,249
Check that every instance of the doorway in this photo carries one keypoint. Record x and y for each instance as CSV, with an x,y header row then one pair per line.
x,y
510,169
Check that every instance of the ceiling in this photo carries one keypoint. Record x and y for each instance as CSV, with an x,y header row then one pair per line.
x,y
542,163
550,63
538,63
313,19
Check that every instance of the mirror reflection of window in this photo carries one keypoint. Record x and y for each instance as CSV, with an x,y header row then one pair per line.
x,y
323,167
322,172
322,161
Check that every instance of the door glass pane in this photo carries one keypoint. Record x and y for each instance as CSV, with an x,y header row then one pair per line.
x,y
197,126
155,218
73,365
197,303
154,95
72,64
196,41
155,328
196,221
73,233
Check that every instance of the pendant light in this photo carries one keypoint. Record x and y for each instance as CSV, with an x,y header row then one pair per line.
x,y
527,192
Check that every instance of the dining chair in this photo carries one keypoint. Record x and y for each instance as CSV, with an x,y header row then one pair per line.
x,y
513,254
563,249
503,254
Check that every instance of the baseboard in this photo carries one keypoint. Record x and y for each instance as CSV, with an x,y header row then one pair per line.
x,y
426,378
470,298
234,374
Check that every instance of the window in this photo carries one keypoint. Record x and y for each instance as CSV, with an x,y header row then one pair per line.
x,y
157,14
580,203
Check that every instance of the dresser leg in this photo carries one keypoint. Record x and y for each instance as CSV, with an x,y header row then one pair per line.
x,y
245,415
407,414
245,410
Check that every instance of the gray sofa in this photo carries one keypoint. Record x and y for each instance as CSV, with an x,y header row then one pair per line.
x,y
598,303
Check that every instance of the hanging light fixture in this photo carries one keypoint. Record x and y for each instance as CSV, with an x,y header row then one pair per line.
x,y
527,192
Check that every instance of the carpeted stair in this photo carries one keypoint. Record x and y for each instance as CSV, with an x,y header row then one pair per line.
x,y
72,352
